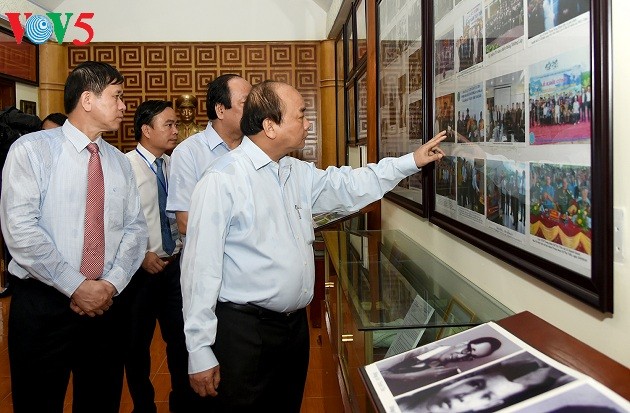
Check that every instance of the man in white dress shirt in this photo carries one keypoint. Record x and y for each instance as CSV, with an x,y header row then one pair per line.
x,y
72,220
248,268
225,99
154,293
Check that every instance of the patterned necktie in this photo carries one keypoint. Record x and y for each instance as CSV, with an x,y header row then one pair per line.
x,y
94,232
168,245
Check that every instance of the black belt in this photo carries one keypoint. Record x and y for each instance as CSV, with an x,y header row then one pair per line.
x,y
257,310
168,260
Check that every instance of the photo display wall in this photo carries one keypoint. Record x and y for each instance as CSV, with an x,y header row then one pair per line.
x,y
400,86
528,169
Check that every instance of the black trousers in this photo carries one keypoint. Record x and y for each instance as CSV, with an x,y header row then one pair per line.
x,y
263,360
48,341
158,297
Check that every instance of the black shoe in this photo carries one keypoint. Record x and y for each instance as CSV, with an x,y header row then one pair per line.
x,y
6,291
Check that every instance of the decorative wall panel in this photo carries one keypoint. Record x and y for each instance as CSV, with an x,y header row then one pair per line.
x,y
167,70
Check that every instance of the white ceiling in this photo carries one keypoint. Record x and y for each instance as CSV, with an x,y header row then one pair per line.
x,y
51,5
48,5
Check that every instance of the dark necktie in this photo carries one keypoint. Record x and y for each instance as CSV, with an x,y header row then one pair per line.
x,y
168,245
93,257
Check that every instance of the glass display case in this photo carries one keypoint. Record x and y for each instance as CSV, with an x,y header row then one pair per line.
x,y
386,294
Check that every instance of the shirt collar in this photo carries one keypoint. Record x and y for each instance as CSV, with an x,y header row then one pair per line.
x,y
78,139
257,156
212,137
147,155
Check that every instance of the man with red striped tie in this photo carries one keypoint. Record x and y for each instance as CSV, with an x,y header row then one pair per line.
x,y
72,220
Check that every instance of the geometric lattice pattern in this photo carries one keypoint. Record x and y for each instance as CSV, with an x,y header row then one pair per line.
x,y
167,70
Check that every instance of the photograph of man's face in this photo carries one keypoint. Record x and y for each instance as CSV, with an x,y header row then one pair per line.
x,y
475,393
490,389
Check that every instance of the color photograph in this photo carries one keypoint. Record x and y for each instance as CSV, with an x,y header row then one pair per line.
x,y
560,205
560,99
504,23
543,15
469,35
444,56
470,121
506,185
444,116
505,107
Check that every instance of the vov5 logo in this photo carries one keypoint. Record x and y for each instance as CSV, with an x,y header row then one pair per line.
x,y
40,28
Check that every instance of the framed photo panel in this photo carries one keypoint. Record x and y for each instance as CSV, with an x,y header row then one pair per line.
x,y
400,83
522,87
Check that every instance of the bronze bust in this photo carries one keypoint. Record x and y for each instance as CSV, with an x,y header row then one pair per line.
x,y
186,104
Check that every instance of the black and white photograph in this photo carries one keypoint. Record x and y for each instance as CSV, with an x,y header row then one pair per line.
x,y
584,398
446,358
489,389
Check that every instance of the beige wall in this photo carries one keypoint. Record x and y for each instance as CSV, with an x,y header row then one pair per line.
x,y
519,291
201,20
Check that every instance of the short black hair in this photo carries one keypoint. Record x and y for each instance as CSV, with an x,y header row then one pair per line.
x,y
494,342
89,76
145,113
262,103
219,92
56,117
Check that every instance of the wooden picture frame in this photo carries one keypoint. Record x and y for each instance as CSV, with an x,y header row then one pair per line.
x,y
529,166
28,107
456,312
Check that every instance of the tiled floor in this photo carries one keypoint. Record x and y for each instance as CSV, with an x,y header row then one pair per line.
x,y
321,394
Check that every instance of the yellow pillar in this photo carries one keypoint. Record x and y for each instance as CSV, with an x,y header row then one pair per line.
x,y
327,110
53,71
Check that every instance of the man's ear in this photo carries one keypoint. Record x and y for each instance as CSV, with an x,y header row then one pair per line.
x,y
145,130
269,127
86,100
220,110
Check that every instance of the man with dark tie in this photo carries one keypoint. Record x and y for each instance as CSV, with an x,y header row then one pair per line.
x,y
154,293
72,220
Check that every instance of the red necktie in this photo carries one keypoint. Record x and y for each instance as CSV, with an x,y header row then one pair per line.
x,y
94,236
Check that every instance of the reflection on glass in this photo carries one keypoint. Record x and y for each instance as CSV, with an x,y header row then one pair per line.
x,y
361,30
352,128
350,44
341,114
362,107
400,86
